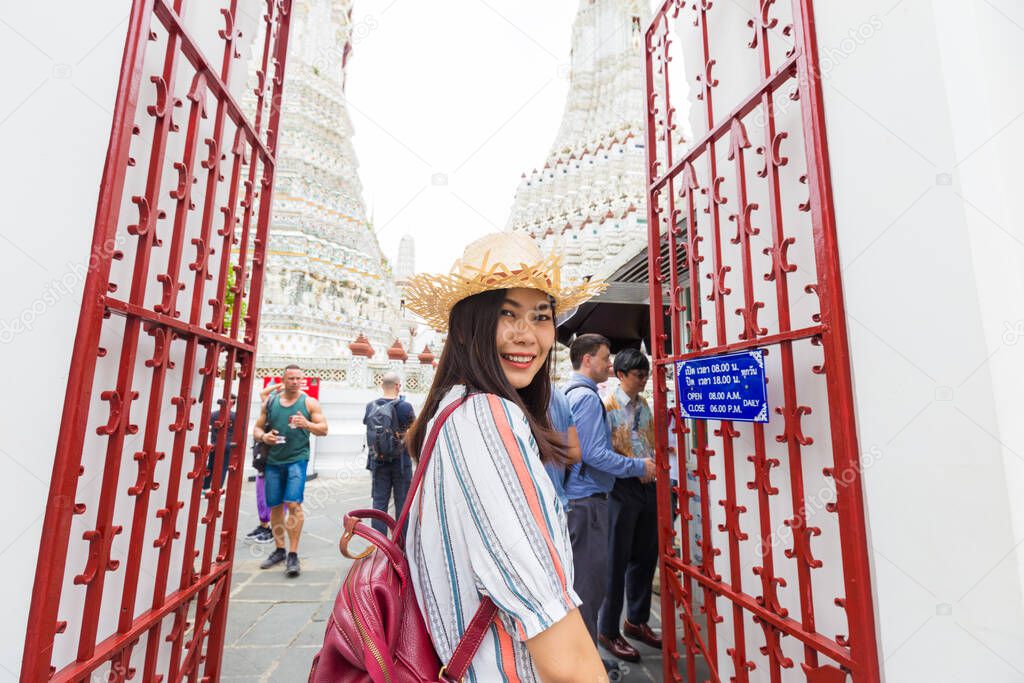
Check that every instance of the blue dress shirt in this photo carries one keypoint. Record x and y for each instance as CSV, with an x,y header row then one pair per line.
x,y
603,465
560,416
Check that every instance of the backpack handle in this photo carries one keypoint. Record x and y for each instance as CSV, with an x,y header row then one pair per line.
x,y
355,527
370,513
352,520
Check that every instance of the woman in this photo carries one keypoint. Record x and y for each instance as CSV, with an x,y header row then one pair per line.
x,y
486,519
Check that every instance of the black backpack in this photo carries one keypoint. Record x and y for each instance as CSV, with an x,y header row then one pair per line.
x,y
382,431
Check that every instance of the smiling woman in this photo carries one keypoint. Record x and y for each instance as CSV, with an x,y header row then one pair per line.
x,y
486,520
512,363
525,334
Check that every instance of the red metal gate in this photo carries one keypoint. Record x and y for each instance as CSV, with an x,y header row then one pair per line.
x,y
135,559
771,517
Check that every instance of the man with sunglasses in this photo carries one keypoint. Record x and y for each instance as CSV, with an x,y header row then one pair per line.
x,y
632,515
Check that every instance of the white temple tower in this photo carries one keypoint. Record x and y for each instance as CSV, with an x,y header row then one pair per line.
x,y
326,280
589,195
406,263
405,267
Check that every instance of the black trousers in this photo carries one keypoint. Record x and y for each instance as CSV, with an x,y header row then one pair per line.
x,y
389,479
632,554
208,479
588,533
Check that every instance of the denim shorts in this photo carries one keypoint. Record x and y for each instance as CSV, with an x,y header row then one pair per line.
x,y
285,483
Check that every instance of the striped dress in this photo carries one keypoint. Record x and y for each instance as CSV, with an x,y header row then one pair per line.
x,y
486,520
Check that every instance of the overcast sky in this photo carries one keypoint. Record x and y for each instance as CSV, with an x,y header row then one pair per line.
x,y
451,101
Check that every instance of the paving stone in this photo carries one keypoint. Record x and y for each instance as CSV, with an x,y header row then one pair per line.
x,y
280,624
250,662
295,590
330,525
324,610
239,577
311,635
241,616
309,577
250,555
294,665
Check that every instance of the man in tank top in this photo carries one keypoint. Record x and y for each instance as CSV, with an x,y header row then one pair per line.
x,y
285,423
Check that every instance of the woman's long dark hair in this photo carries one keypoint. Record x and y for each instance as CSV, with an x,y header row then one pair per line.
x,y
470,357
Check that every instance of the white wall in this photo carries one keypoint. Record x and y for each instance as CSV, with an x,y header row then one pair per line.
x,y
54,145
924,123
59,84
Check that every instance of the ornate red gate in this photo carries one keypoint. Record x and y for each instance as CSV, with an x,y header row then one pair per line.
x,y
773,570
135,560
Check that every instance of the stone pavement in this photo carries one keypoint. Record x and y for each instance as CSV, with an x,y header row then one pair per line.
x,y
276,624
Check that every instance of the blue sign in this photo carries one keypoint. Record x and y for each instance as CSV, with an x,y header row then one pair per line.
x,y
727,387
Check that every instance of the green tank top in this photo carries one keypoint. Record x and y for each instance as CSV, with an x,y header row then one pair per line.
x,y
296,445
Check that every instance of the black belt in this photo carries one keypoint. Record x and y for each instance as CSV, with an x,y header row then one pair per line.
x,y
600,496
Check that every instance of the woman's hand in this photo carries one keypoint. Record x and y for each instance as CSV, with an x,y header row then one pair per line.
x,y
573,450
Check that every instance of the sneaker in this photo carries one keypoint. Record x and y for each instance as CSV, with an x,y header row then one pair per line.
x,y
265,535
255,533
291,568
273,558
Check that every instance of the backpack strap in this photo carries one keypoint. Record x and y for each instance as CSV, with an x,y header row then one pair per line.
x,y
474,635
580,385
470,641
572,387
266,425
270,403
393,407
421,467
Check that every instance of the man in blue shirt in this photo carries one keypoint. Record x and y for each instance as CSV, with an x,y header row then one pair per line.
x,y
588,484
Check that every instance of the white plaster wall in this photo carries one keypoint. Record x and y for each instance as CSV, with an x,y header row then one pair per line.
x,y
59,86
924,119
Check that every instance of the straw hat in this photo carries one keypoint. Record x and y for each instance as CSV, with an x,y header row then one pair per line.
x,y
501,260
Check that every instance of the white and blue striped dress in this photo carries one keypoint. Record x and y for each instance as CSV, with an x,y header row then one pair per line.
x,y
486,520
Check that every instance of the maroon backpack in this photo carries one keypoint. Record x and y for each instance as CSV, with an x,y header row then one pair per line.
x,y
375,631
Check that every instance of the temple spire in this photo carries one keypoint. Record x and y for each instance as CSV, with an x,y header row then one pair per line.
x,y
588,196
327,280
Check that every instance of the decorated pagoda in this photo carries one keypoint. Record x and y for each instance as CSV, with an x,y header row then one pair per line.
x,y
588,197
327,281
